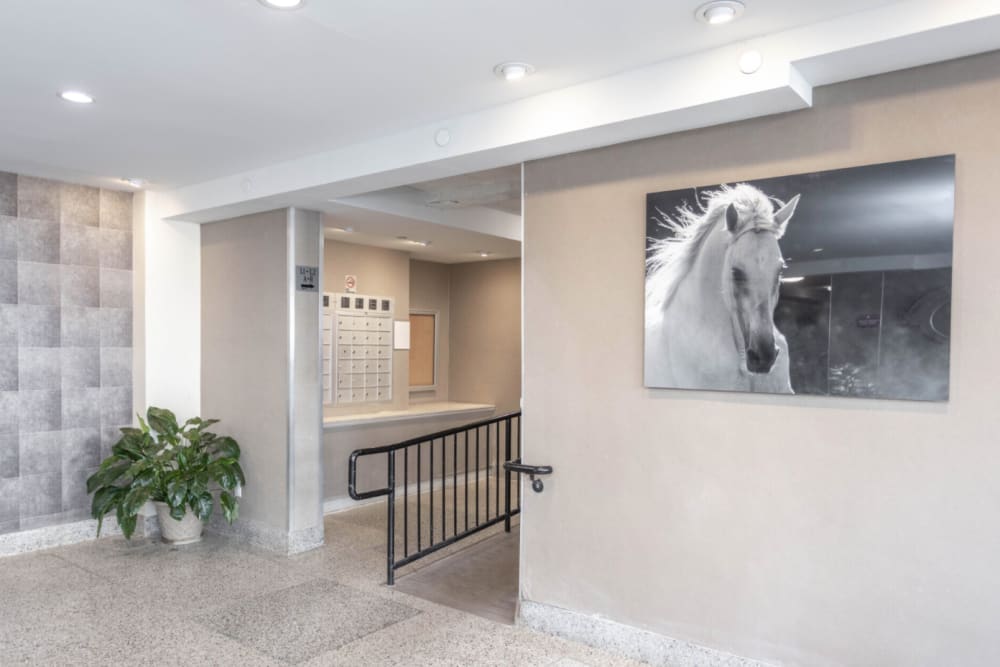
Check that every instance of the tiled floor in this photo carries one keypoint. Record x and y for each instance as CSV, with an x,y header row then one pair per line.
x,y
218,603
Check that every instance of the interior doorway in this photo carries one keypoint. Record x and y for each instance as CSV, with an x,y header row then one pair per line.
x,y
422,336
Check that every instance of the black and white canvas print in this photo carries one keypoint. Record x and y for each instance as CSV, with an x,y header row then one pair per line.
x,y
830,283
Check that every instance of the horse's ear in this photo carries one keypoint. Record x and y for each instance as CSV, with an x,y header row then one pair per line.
x,y
732,219
784,214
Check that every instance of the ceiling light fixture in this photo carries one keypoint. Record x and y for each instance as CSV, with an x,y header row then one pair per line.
x,y
444,203
513,71
342,229
76,97
793,279
406,239
283,4
719,12
483,253
751,61
134,182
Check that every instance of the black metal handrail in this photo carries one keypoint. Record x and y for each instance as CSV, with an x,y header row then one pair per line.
x,y
503,431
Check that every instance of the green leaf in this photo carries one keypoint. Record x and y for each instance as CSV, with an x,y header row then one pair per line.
x,y
162,421
202,506
111,469
176,492
105,500
126,521
226,447
230,508
178,512
225,477
134,499
144,479
240,477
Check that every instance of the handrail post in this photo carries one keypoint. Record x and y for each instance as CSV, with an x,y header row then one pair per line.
x,y
391,551
506,521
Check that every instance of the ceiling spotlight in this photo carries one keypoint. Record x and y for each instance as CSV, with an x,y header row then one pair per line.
x,y
793,279
513,71
483,253
76,97
719,12
751,61
134,182
444,203
283,4
817,250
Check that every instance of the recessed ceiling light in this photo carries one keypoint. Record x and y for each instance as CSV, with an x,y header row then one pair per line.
x,y
751,61
513,71
793,279
483,253
283,4
134,182
719,12
342,229
76,97
817,250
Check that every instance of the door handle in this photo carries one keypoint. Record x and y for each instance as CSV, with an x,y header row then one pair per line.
x,y
536,484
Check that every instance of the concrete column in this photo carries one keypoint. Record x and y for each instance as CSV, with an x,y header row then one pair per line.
x,y
261,369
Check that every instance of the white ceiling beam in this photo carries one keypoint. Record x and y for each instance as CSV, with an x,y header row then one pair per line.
x,y
699,90
696,91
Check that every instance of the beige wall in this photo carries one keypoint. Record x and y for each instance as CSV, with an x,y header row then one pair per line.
x,y
430,290
380,272
814,531
486,333
479,305
244,311
339,443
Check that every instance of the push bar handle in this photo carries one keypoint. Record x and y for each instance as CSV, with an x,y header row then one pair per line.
x,y
517,466
536,484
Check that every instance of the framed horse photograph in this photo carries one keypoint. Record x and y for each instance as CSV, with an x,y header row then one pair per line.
x,y
832,283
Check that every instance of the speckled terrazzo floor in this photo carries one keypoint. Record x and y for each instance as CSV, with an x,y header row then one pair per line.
x,y
111,602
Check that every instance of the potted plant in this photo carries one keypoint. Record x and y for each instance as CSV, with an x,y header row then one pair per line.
x,y
178,467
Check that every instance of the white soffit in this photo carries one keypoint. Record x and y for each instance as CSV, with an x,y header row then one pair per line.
x,y
694,91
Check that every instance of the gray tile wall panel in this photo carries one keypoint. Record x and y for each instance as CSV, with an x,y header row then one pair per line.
x,y
65,343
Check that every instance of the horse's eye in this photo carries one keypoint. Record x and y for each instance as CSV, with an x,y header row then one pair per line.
x,y
739,276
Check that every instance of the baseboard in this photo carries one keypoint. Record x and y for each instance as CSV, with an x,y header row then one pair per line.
x,y
267,537
625,640
148,526
59,535
342,503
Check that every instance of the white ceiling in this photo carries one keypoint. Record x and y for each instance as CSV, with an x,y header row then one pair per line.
x,y
499,189
447,245
191,90
484,218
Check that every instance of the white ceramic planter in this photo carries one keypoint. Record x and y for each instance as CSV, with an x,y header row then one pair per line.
x,y
186,531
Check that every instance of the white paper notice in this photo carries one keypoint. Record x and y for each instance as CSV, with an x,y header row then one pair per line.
x,y
401,335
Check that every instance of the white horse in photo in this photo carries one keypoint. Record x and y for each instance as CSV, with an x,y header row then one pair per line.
x,y
711,291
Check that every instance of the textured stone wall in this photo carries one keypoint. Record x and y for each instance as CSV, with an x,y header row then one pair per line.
x,y
65,343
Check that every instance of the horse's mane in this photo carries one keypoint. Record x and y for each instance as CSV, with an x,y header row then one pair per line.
x,y
671,258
